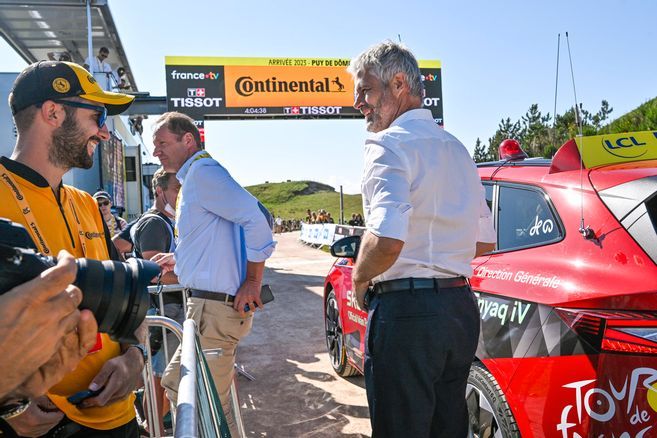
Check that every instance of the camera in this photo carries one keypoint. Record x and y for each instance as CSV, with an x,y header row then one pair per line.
x,y
115,292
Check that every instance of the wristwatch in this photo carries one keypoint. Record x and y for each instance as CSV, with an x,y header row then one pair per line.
x,y
142,348
14,409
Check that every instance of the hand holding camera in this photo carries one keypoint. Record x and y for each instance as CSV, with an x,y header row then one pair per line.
x,y
115,292
43,334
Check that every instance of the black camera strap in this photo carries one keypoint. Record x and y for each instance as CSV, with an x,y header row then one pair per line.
x,y
32,225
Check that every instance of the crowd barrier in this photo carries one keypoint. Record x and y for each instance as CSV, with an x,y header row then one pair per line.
x,y
326,234
198,413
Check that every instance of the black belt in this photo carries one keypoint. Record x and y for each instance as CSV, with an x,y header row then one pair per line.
x,y
206,295
406,284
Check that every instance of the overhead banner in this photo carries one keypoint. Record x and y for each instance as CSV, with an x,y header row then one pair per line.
x,y
211,87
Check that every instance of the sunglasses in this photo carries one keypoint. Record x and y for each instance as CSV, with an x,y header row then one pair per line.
x,y
103,203
102,111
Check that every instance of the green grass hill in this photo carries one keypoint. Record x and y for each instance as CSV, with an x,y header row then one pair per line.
x,y
643,118
290,200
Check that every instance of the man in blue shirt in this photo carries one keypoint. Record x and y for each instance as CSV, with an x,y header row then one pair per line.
x,y
223,239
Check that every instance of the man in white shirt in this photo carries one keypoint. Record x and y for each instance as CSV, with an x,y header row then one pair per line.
x,y
99,68
223,239
425,212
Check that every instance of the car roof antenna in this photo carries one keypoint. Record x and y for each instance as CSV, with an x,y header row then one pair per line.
x,y
556,88
586,231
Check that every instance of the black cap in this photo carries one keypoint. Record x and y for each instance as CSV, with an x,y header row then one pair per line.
x,y
47,80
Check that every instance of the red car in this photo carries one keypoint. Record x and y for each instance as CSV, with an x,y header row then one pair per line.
x,y
568,302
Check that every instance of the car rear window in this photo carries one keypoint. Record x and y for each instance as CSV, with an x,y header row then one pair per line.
x,y
525,219
634,204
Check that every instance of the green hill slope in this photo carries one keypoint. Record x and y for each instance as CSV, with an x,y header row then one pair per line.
x,y
643,118
290,200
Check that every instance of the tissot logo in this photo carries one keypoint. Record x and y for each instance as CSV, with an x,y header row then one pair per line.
x,y
196,92
311,110
196,102
247,86
177,75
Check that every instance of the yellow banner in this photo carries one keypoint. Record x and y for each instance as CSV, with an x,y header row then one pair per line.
x,y
286,62
600,150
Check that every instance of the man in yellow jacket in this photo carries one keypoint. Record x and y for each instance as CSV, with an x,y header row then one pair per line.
x,y
60,112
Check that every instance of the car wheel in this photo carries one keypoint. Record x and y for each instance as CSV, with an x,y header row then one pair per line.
x,y
488,411
335,338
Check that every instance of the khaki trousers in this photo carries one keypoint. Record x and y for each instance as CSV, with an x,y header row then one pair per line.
x,y
219,326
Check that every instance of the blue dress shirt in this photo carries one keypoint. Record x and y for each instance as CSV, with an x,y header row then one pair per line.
x,y
220,226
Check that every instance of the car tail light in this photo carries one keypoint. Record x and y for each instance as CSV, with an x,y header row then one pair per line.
x,y
614,331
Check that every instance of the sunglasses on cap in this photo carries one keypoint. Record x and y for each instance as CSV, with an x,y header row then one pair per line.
x,y
102,111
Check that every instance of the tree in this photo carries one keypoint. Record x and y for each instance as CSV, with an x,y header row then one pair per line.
x,y
481,154
505,130
535,132
539,139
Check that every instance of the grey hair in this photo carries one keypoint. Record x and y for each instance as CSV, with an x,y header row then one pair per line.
x,y
385,60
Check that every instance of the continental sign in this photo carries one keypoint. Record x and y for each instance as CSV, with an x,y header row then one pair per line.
x,y
274,87
600,150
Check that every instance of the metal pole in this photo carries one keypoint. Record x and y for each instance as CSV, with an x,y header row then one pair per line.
x,y
147,374
237,414
341,206
90,44
186,409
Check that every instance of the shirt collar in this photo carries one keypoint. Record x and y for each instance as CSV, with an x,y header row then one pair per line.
x,y
25,172
184,169
414,114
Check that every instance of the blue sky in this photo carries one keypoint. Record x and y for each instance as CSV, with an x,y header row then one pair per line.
x,y
498,58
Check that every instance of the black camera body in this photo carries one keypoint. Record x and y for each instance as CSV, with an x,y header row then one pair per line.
x,y
115,292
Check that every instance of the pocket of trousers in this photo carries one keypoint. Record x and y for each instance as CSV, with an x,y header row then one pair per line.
x,y
371,330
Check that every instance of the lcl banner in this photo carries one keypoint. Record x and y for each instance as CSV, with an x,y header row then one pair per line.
x,y
274,87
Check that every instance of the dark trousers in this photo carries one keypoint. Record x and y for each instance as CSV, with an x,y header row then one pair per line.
x,y
419,348
68,429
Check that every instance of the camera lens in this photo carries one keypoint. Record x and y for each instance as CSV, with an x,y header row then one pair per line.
x,y
116,294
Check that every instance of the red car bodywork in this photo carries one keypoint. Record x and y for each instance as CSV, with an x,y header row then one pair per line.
x,y
559,318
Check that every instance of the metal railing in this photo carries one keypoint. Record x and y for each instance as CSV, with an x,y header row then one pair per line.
x,y
198,412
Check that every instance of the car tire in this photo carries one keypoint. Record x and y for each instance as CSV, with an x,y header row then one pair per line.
x,y
335,338
489,413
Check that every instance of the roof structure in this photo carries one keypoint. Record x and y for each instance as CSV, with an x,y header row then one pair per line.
x,y
37,28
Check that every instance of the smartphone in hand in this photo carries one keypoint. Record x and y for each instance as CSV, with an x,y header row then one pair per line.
x,y
266,296
81,396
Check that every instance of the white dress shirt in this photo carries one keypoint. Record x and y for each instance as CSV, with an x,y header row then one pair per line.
x,y
101,71
421,186
220,226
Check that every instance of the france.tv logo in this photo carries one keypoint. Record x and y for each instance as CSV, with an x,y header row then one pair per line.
x,y
194,75
429,78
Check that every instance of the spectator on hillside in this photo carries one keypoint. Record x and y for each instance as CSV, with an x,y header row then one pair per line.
x,y
313,218
329,219
278,225
352,221
358,222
